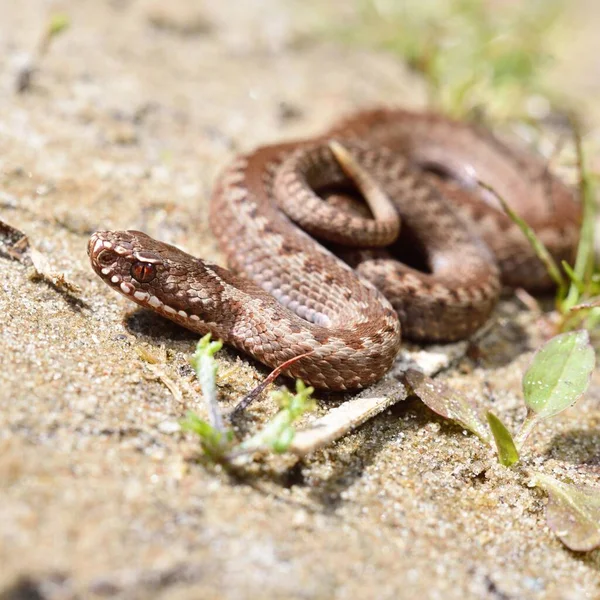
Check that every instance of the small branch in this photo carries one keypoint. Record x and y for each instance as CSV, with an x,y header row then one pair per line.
x,y
340,421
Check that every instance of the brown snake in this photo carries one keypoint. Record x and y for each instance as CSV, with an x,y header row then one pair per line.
x,y
292,296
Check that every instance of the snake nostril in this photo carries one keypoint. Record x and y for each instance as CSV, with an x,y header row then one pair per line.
x,y
106,258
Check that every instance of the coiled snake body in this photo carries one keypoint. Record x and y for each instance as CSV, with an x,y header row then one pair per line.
x,y
292,296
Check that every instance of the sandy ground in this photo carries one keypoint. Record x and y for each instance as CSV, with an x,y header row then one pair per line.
x,y
132,114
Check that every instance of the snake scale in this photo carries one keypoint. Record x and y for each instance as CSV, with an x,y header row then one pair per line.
x,y
288,294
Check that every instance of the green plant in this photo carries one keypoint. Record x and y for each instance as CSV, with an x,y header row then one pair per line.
x,y
56,26
577,288
580,306
557,377
475,58
217,440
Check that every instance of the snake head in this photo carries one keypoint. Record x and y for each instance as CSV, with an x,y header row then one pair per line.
x,y
122,260
151,273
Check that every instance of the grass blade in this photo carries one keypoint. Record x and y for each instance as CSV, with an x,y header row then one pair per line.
x,y
584,262
537,244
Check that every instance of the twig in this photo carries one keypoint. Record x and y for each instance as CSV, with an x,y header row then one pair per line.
x,y
340,421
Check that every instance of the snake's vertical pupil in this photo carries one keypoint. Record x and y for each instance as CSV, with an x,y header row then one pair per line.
x,y
143,271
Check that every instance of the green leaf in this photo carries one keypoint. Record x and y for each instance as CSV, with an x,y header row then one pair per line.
x,y
446,402
58,23
507,451
559,373
283,442
278,433
206,367
195,424
214,443
573,512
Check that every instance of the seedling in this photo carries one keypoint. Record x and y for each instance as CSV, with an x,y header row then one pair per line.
x,y
218,441
57,25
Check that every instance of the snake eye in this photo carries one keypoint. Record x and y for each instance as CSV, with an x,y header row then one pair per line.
x,y
143,272
106,258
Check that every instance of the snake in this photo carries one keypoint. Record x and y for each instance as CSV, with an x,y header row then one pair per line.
x,y
342,244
